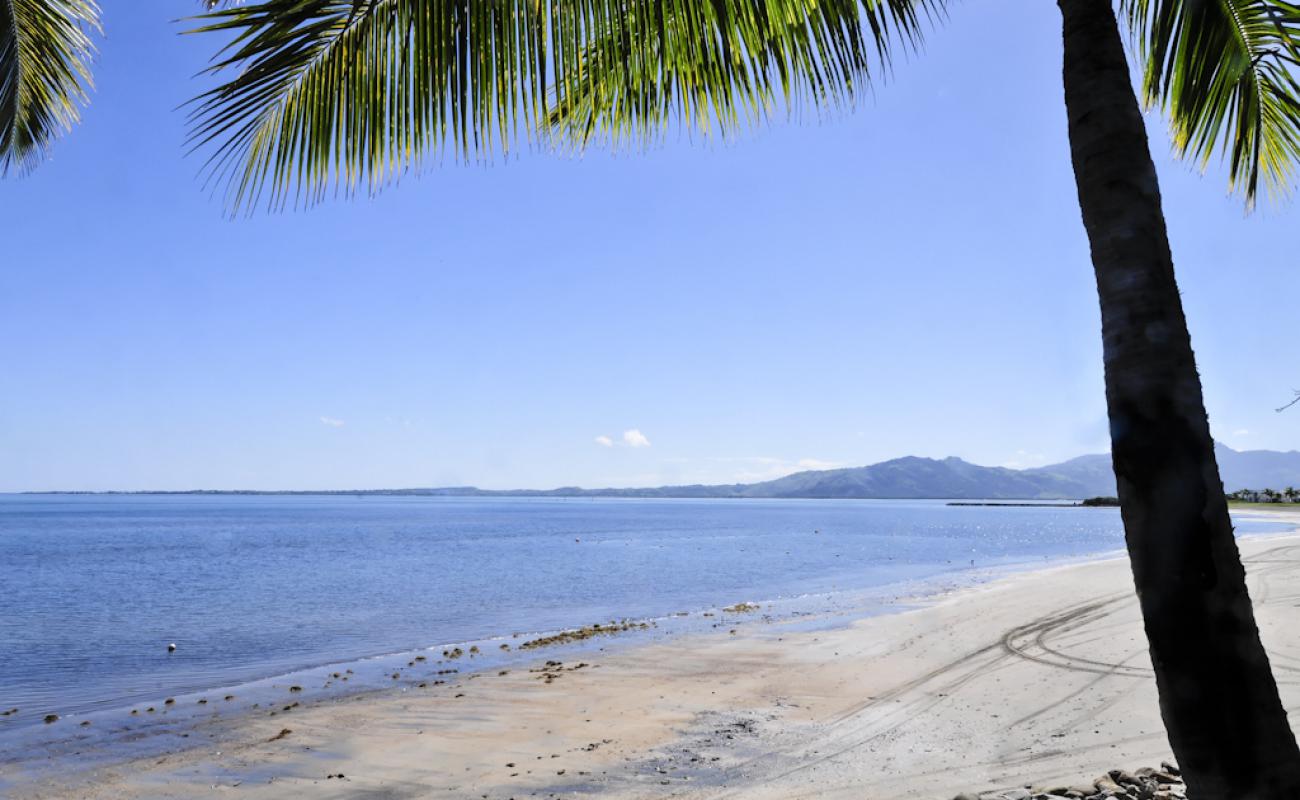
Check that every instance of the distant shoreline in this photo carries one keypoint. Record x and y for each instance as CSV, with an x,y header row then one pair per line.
x,y
906,478
1026,505
535,493
595,494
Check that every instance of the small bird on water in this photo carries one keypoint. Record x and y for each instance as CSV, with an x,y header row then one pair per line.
x,y
171,648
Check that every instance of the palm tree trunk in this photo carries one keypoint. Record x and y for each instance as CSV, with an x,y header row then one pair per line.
x,y
1225,722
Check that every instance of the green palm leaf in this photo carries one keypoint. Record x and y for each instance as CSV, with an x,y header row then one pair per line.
x,y
1225,72
45,51
351,94
708,65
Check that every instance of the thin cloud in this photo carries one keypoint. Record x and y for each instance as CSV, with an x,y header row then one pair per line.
x,y
635,438
632,437
332,422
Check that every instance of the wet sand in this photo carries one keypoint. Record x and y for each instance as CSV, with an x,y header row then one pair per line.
x,y
1037,678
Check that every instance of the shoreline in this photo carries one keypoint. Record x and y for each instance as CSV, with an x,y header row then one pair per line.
x,y
369,674
71,663
149,727
759,707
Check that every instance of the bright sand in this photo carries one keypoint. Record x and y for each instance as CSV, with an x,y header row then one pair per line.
x,y
1040,677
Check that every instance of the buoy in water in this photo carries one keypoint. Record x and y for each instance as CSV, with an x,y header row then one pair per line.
x,y
171,648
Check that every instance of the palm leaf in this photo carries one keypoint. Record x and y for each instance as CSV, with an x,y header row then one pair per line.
x,y
1225,72
351,94
740,63
746,61
45,50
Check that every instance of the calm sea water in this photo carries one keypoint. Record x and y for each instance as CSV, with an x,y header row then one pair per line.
x,y
92,589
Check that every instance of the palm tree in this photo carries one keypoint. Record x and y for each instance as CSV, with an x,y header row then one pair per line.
x,y
349,94
45,52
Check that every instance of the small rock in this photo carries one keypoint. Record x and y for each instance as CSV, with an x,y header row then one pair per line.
x,y
1107,785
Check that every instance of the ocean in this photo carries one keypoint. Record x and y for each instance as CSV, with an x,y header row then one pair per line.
x,y
255,591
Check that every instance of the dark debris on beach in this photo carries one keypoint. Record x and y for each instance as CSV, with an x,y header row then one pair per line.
x,y
1145,783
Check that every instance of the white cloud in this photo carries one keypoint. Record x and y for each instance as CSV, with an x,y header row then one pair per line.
x,y
332,422
632,437
1241,432
635,438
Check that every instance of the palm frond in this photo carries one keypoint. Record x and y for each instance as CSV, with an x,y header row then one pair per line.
x,y
723,65
1225,72
45,53
350,94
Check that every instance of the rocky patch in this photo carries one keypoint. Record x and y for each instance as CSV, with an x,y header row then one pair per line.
x,y
1146,783
588,632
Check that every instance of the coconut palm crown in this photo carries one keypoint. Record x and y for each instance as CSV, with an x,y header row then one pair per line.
x,y
349,94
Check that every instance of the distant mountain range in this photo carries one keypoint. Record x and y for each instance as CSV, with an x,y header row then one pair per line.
x,y
914,478
953,478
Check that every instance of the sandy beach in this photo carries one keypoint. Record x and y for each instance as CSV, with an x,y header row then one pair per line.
x,y
1035,678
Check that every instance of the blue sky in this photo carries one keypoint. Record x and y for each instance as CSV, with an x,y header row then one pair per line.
x,y
910,277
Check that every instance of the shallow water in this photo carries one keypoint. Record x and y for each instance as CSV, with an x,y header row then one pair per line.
x,y
93,588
